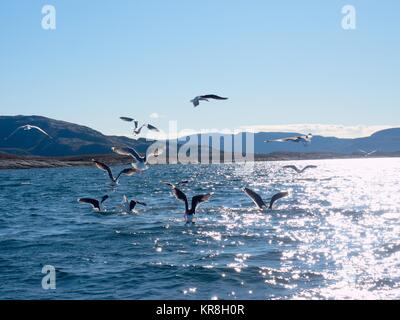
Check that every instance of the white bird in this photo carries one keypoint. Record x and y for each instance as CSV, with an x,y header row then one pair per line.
x,y
96,204
104,167
137,129
367,154
304,139
299,170
196,200
196,100
140,163
259,201
128,206
28,127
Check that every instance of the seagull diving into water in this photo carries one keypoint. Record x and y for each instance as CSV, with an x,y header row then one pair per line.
x,y
196,200
102,166
367,154
28,127
140,162
299,170
96,204
129,206
304,139
259,201
137,129
196,100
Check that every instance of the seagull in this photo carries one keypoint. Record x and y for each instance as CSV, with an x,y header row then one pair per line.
x,y
196,200
138,129
96,204
305,139
129,206
102,166
367,154
196,100
259,201
299,170
140,162
28,127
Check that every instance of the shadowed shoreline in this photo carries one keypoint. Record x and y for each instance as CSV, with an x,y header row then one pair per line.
x,y
23,162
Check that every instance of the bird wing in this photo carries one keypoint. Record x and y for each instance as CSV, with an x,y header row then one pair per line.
x,y
95,203
128,152
293,168
179,195
153,128
308,167
127,119
196,200
104,198
104,167
276,197
213,96
128,172
255,197
14,132
40,130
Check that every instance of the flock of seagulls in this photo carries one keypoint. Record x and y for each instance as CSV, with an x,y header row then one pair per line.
x,y
140,164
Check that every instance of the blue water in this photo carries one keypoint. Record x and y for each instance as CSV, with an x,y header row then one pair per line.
x,y
336,237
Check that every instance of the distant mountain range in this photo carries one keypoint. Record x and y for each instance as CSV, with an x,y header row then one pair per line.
x,y
384,142
68,139
73,140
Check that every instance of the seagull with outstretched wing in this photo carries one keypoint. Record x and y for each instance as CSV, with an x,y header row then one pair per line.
x,y
304,139
196,201
96,204
292,167
106,168
207,97
140,163
28,127
128,206
367,154
260,202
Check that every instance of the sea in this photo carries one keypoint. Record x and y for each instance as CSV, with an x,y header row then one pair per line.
x,y
336,236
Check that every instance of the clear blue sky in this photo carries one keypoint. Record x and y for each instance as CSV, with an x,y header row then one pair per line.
x,y
279,62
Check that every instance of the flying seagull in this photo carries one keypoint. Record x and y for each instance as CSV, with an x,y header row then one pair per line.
x,y
304,139
367,154
137,129
28,127
96,204
259,201
140,162
196,100
104,167
129,206
196,200
299,170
